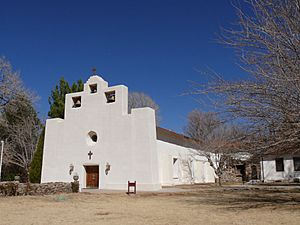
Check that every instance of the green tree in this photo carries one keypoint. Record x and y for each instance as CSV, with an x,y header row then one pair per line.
x,y
36,164
57,109
58,94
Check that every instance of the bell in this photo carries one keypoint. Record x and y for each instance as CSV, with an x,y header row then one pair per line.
x,y
112,97
78,103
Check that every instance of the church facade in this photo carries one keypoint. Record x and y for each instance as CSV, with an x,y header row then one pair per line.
x,y
106,146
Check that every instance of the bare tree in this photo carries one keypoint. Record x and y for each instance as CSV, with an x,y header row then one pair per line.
x,y
21,145
214,140
187,167
267,41
10,83
19,124
22,128
139,100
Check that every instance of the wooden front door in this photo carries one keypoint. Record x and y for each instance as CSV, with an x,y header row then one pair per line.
x,y
92,176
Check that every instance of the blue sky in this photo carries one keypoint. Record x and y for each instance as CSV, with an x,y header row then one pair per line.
x,y
150,46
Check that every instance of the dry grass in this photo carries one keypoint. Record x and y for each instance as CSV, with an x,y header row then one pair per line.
x,y
201,205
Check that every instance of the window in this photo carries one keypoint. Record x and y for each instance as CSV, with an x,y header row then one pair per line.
x,y
175,168
76,102
174,160
110,96
92,138
279,164
93,88
296,163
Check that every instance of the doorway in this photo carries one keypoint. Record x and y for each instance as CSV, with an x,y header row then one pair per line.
x,y
242,171
254,172
92,176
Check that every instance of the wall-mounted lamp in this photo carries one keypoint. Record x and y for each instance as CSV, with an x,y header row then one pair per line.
x,y
71,168
107,168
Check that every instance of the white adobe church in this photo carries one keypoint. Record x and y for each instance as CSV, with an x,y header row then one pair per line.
x,y
107,146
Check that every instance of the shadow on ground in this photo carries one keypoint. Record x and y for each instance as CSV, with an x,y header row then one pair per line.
x,y
243,199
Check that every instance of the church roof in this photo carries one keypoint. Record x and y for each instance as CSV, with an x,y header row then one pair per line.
x,y
174,138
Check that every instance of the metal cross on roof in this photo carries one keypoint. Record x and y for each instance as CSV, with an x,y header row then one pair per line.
x,y
94,71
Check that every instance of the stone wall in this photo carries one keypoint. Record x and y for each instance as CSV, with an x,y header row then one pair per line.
x,y
246,172
13,188
231,176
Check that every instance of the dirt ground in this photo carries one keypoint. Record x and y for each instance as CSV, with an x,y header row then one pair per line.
x,y
198,205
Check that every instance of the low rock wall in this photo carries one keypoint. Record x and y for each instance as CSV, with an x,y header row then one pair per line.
x,y
13,188
231,176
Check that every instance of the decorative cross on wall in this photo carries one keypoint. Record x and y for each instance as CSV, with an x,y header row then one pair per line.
x,y
90,155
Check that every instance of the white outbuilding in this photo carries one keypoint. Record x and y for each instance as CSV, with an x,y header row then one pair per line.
x,y
280,167
107,146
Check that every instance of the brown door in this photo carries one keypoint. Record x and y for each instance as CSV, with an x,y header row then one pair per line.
x,y
92,176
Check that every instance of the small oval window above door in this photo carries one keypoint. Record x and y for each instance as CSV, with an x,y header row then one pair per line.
x,y
92,138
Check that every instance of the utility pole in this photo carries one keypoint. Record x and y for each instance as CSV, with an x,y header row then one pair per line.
x,y
1,157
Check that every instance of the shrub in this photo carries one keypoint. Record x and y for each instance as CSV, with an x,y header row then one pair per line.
x,y
75,186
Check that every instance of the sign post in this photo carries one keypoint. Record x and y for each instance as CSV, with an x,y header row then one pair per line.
x,y
1,157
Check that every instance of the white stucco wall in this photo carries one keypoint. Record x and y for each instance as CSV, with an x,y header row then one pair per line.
x,y
191,168
269,172
126,141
